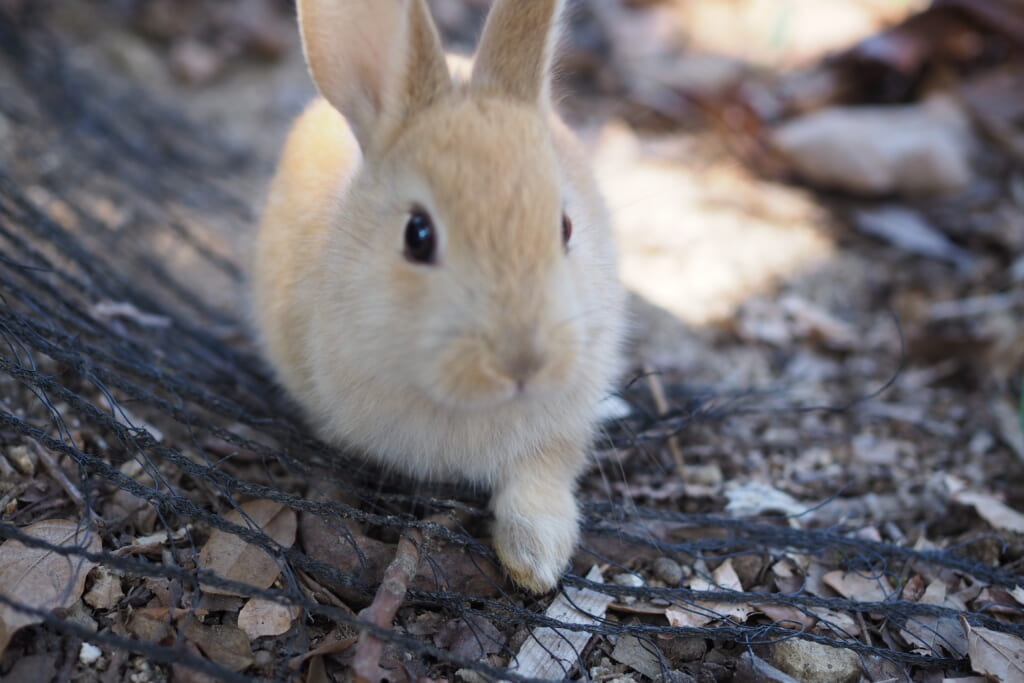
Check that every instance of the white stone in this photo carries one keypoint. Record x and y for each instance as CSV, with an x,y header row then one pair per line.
x,y
921,149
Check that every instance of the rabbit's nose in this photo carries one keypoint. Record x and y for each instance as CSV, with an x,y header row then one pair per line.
x,y
522,364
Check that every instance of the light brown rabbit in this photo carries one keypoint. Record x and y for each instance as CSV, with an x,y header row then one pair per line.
x,y
435,280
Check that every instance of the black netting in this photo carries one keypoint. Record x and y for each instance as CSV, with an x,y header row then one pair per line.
x,y
113,362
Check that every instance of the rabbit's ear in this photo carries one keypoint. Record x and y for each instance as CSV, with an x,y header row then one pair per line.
x,y
514,57
375,61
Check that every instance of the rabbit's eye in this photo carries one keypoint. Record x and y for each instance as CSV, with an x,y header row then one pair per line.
x,y
566,229
420,238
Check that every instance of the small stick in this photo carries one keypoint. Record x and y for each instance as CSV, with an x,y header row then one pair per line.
x,y
390,595
330,646
661,405
62,478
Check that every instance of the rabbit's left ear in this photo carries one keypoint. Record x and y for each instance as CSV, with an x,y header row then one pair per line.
x,y
515,53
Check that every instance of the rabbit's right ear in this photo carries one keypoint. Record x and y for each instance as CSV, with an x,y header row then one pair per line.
x,y
375,61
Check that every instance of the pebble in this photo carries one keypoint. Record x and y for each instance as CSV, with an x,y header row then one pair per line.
x,y
89,654
668,570
628,580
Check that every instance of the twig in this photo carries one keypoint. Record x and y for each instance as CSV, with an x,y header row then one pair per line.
x,y
390,595
661,405
330,646
57,473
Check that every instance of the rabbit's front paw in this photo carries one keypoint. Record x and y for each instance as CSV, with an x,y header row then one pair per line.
x,y
535,537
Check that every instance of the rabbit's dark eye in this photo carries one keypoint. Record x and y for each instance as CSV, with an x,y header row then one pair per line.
x,y
420,238
566,229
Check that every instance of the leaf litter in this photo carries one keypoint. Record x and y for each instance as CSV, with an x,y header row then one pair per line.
x,y
820,335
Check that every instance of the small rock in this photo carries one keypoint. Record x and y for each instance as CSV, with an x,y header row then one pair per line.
x,y
681,650
133,57
628,580
22,459
919,149
89,654
668,570
807,661
470,676
194,63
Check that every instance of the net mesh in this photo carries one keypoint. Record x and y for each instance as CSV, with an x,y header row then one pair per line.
x,y
112,361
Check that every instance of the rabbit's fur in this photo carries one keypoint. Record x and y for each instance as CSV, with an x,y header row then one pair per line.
x,y
488,364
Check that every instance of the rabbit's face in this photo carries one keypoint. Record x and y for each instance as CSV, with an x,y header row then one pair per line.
x,y
473,237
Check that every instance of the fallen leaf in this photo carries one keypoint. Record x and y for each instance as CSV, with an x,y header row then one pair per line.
x,y
471,637
857,586
317,671
43,579
756,498
150,624
997,655
108,310
550,654
225,645
932,635
259,618
790,615
639,655
701,613
106,590
996,513
231,557
908,230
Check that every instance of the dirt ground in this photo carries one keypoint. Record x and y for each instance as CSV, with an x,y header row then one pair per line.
x,y
868,343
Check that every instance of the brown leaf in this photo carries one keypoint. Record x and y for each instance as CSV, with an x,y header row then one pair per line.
x,y
996,513
106,591
40,578
857,586
471,637
150,624
931,635
997,655
233,558
722,579
317,671
225,645
785,613
260,618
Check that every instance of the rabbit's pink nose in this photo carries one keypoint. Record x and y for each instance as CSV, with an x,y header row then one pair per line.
x,y
522,366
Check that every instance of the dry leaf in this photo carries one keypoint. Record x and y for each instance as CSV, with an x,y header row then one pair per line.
x,y
40,578
931,635
791,615
639,655
259,618
233,558
857,586
106,590
997,655
549,654
471,637
701,613
996,513
225,645
150,624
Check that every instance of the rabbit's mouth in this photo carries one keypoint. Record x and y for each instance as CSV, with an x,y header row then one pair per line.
x,y
478,375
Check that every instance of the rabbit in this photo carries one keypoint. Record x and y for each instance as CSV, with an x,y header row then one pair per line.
x,y
435,277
